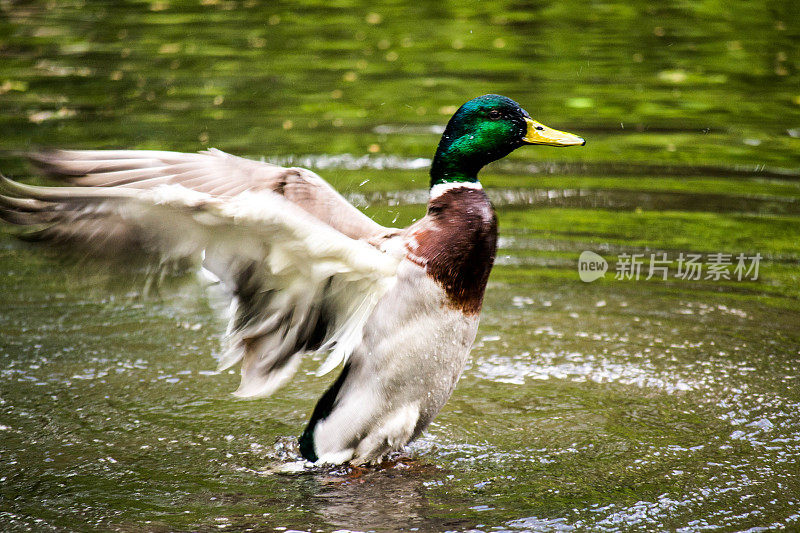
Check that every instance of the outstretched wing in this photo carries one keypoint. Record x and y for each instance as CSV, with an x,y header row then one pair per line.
x,y
213,172
298,284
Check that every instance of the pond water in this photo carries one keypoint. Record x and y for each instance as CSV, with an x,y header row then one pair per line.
x,y
616,405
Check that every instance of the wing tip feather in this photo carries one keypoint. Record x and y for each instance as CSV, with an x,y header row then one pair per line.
x,y
255,386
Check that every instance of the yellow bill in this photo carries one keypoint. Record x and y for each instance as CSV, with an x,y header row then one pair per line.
x,y
540,134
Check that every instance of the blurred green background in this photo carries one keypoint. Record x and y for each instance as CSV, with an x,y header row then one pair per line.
x,y
610,406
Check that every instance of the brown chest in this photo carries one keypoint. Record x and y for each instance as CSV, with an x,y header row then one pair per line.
x,y
456,243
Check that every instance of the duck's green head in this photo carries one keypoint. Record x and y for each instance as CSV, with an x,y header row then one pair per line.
x,y
486,129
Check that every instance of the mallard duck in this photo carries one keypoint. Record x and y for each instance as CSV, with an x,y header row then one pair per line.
x,y
307,271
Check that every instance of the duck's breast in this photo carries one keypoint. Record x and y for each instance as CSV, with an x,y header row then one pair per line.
x,y
416,343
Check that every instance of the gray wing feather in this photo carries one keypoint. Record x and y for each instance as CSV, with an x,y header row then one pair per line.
x,y
298,285
213,172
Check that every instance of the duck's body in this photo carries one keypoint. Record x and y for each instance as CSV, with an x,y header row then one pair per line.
x,y
418,337
309,272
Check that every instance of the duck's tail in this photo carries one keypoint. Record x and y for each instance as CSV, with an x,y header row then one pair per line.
x,y
321,411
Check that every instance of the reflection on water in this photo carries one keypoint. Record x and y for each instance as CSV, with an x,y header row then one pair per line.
x,y
618,200
606,406
395,498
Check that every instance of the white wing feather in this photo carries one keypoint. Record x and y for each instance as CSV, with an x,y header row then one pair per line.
x,y
298,284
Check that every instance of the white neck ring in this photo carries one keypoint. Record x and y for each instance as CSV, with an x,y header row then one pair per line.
x,y
441,188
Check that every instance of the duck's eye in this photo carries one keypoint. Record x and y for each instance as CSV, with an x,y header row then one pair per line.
x,y
540,128
494,114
